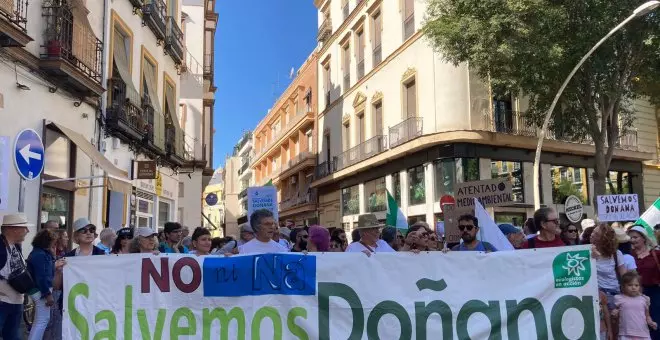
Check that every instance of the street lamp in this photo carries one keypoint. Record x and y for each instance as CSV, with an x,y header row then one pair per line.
x,y
642,10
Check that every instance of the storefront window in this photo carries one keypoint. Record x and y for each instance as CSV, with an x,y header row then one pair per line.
x,y
376,195
145,210
512,171
396,185
618,182
163,213
416,186
350,201
567,181
454,170
55,205
517,219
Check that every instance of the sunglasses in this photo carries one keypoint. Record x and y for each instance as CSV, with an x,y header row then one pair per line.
x,y
572,231
125,237
86,230
465,227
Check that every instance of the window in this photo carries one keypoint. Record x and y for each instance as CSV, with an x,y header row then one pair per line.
x,y
327,151
172,8
310,140
377,21
359,54
327,84
350,201
346,66
378,119
449,171
163,213
361,131
344,9
376,194
180,189
308,101
618,182
410,100
145,209
507,170
346,136
276,127
416,186
396,186
564,185
122,50
408,18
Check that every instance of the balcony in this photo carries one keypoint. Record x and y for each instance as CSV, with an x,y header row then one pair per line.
x,y
247,137
124,118
275,138
362,151
208,65
153,16
72,53
360,69
243,193
154,121
377,55
405,131
137,4
13,23
299,159
174,41
325,30
245,166
174,146
298,201
326,168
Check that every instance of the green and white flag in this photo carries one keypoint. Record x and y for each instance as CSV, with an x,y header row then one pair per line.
x,y
650,218
395,216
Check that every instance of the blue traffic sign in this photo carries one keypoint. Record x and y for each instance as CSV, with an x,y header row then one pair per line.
x,y
29,154
211,199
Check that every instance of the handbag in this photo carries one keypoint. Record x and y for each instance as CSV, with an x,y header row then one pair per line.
x,y
21,280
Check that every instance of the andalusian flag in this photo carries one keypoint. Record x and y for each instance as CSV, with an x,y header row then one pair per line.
x,y
269,183
650,218
395,216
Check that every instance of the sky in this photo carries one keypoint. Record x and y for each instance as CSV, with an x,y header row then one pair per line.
x,y
256,43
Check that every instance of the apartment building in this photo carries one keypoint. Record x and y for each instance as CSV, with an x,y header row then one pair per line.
x,y
245,151
234,215
285,149
198,23
393,116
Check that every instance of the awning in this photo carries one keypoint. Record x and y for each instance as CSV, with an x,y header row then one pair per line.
x,y
116,179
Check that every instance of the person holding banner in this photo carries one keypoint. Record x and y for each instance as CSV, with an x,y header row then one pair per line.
x,y
84,233
369,229
546,223
123,241
201,242
264,226
319,239
173,234
468,225
144,242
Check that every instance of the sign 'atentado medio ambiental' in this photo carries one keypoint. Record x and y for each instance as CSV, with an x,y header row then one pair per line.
x,y
334,296
491,193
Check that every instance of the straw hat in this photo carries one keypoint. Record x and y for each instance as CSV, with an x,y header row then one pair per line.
x,y
368,221
16,220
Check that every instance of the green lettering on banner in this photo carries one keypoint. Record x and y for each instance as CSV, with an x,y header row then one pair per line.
x,y
224,319
389,307
328,289
144,324
182,313
77,319
586,309
296,330
128,313
490,310
273,315
111,332
424,311
513,311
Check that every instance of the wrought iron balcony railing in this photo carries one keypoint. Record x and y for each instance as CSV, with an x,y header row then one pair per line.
x,y
15,11
325,30
405,131
174,40
362,151
326,168
124,117
153,15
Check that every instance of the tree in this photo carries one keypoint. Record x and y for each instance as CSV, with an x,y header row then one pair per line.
x,y
530,46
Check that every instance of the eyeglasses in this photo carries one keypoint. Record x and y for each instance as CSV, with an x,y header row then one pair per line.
x,y
465,227
90,230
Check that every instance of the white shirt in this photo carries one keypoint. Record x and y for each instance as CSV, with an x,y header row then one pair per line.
x,y
14,262
629,261
257,247
606,273
381,247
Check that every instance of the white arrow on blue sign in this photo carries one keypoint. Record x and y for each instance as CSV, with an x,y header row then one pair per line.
x,y
29,154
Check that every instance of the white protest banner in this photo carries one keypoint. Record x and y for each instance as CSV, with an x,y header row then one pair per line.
x,y
5,152
618,208
491,193
262,198
548,293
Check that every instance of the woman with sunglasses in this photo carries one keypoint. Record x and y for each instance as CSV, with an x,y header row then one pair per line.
x,y
123,242
84,233
570,234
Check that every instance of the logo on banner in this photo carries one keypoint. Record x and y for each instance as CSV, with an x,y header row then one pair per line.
x,y
571,269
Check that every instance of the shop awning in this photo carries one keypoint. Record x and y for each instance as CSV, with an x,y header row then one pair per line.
x,y
116,179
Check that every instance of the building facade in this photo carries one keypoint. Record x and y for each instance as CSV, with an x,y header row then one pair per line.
x,y
285,149
234,214
393,116
245,151
214,215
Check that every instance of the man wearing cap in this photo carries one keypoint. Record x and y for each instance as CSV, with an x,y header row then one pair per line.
x,y
84,233
264,225
13,231
246,234
173,232
515,236
468,225
107,237
369,229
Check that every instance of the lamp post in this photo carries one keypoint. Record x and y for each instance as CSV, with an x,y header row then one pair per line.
x,y
640,11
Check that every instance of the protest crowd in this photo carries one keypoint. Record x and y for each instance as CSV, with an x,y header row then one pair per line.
x,y
626,256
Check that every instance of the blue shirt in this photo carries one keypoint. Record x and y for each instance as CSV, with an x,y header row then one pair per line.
x,y
481,246
102,246
164,247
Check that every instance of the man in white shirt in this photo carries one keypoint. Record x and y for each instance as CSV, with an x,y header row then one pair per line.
x,y
265,227
370,242
14,228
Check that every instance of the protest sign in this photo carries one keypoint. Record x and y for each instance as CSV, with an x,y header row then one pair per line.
x,y
334,296
262,198
618,208
491,193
